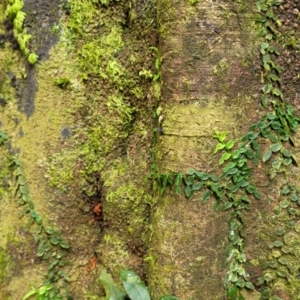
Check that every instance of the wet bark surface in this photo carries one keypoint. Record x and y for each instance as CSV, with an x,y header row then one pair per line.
x,y
41,16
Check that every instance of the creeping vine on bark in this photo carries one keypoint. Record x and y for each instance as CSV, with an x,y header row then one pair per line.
x,y
234,189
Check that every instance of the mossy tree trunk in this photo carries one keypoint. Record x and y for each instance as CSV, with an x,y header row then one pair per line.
x,y
212,80
80,120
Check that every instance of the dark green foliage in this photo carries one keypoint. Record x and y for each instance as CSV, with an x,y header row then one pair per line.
x,y
50,243
135,288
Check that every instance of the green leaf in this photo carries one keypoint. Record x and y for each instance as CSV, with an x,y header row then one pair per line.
x,y
178,189
235,188
53,264
224,157
202,175
273,138
267,88
39,220
255,145
167,297
292,211
227,205
266,59
267,155
234,225
54,241
276,125
250,189
230,144
249,285
257,195
43,289
284,203
178,182
3,136
250,154
206,195
133,285
278,243
236,154
64,245
294,197
267,66
112,291
33,291
197,186
252,135
189,180
266,293
219,146
213,178
232,292
229,166
264,45
287,161
33,214
286,153
269,36
285,190
240,283
232,171
191,171
276,164
260,281
272,264
274,77
277,92
280,231
188,191
222,136
271,116
282,273
276,147
264,101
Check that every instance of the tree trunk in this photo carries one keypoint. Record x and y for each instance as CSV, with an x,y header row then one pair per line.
x,y
77,100
211,81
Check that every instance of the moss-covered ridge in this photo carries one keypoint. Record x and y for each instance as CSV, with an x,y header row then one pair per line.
x,y
102,107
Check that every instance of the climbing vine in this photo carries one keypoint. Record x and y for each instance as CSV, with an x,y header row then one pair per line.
x,y
51,246
235,188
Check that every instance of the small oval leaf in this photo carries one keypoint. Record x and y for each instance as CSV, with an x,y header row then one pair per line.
x,y
267,155
134,286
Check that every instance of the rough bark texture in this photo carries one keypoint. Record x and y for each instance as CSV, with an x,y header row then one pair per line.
x,y
101,198
209,81
80,120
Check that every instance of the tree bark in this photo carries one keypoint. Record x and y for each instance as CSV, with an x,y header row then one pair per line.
x,y
211,80
80,121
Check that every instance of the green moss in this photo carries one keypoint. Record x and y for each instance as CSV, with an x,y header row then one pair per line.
x,y
165,17
193,2
4,260
14,13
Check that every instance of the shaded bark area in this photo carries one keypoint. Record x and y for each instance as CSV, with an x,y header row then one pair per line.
x,y
209,81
